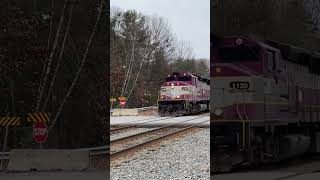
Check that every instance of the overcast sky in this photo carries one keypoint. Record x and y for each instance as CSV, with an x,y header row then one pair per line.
x,y
189,19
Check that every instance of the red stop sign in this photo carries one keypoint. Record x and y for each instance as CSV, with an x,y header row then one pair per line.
x,y
40,132
122,103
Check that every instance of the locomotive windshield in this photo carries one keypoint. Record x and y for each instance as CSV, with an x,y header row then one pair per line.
x,y
184,78
238,54
179,78
168,79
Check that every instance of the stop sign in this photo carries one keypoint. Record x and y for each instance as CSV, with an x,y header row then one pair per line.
x,y
122,103
40,132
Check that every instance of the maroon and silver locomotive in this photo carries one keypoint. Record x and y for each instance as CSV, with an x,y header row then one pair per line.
x,y
265,102
184,93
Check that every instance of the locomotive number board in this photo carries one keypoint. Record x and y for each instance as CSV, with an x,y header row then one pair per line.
x,y
239,85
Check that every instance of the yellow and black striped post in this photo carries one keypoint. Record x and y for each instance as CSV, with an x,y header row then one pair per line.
x,y
39,117
10,121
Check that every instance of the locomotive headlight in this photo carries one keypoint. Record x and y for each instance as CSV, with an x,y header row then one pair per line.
x,y
239,41
218,69
218,111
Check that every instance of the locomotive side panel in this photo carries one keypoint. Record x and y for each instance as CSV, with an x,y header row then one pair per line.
x,y
261,104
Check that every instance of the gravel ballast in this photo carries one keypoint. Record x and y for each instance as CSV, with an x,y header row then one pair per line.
x,y
187,157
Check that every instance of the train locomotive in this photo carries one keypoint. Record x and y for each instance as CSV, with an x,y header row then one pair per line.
x,y
184,93
265,104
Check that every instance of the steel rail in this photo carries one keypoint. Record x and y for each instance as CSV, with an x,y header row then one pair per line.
x,y
123,152
119,125
150,131
134,125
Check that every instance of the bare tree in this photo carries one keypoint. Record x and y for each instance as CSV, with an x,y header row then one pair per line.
x,y
83,61
129,66
159,38
161,35
183,50
50,59
59,60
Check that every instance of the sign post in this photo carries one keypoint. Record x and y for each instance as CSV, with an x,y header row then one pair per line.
x,y
40,133
112,100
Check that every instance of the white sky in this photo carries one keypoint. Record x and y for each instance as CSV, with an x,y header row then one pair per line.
x,y
189,19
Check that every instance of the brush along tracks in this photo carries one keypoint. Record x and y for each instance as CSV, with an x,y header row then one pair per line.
x,y
122,147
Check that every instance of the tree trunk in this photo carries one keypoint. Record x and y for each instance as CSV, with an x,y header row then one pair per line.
x,y
59,61
42,86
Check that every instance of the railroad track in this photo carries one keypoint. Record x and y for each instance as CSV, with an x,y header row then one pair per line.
x,y
122,146
152,130
128,127
118,129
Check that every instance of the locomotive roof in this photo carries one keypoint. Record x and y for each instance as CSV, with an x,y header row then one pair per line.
x,y
267,46
289,52
290,49
200,78
249,39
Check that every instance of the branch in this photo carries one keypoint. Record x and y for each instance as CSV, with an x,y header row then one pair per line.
x,y
129,71
50,58
59,60
51,21
80,68
137,77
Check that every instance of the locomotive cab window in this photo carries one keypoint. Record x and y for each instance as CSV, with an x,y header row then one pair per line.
x,y
271,61
168,79
194,81
239,54
314,66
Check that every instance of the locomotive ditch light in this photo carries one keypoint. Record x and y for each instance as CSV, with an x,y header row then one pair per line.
x,y
239,41
218,111
162,97
178,97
